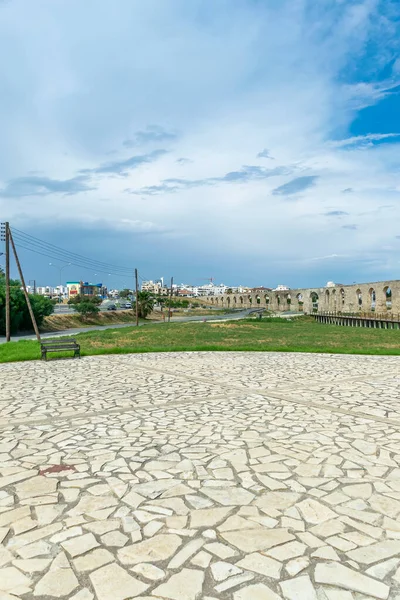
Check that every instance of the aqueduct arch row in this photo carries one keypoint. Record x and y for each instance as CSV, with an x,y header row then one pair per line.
x,y
381,296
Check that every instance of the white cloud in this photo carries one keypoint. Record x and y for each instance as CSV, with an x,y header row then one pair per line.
x,y
362,139
232,79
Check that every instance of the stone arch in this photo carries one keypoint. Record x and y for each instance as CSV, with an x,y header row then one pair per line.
x,y
266,299
250,299
241,300
314,301
228,300
278,300
359,298
300,301
258,299
388,296
216,301
234,300
372,298
288,299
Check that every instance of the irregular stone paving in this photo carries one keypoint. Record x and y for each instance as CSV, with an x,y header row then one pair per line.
x,y
238,476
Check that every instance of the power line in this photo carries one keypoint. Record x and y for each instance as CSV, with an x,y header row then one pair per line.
x,y
43,248
75,263
26,238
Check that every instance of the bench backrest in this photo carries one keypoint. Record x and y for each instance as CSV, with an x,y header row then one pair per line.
x,y
58,342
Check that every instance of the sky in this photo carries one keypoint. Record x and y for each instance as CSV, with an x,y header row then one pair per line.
x,y
256,142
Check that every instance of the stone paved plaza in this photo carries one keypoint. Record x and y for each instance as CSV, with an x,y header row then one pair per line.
x,y
238,476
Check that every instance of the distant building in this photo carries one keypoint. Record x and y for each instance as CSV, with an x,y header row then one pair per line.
x,y
93,289
48,291
85,288
154,287
74,288
281,288
186,293
210,289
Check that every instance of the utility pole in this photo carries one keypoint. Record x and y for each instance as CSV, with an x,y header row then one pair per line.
x,y
60,269
137,299
5,236
170,298
28,302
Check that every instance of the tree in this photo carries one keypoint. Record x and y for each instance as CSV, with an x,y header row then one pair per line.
x,y
79,298
20,319
86,308
125,293
145,301
42,307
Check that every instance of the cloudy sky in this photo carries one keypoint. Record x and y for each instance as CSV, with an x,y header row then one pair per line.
x,y
253,141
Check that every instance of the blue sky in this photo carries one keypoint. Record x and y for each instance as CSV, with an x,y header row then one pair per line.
x,y
257,142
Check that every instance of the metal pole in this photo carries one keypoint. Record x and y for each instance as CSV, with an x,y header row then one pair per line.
x,y
35,327
137,299
8,311
170,298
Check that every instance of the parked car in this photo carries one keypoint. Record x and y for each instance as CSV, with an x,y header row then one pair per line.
x,y
111,307
128,305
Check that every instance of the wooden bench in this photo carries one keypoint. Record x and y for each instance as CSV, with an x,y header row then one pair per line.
x,y
59,346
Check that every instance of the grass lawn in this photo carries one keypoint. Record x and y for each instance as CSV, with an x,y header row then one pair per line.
x,y
299,335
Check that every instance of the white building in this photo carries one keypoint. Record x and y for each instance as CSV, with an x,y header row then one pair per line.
x,y
48,290
209,289
281,288
60,290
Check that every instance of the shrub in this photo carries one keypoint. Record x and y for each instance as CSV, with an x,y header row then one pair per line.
x,y
86,308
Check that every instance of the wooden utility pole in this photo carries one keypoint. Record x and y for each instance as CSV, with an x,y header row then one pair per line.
x,y
170,298
137,299
28,302
8,311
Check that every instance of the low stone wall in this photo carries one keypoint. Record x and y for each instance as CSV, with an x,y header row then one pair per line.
x,y
379,296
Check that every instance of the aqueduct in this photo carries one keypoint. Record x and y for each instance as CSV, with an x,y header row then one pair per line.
x,y
380,297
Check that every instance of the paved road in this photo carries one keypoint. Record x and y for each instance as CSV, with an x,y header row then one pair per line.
x,y
63,309
74,331
221,476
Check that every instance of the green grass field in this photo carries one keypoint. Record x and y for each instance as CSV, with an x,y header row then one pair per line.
x,y
299,335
